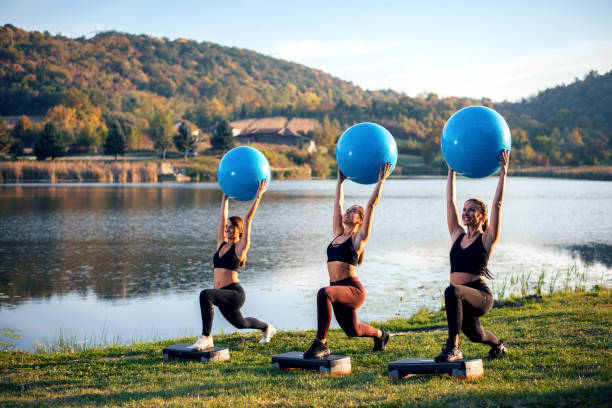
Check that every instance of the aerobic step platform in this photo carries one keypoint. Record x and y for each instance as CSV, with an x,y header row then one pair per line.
x,y
329,365
463,369
183,352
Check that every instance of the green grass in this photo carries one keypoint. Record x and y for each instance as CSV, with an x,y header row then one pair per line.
x,y
559,355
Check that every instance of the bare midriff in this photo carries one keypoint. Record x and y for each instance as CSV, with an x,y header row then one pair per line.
x,y
461,278
340,270
224,277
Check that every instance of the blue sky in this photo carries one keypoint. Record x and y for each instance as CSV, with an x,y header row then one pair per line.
x,y
498,49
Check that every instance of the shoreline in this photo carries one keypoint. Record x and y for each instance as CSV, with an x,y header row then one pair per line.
x,y
130,171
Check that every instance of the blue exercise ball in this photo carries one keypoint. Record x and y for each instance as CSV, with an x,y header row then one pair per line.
x,y
240,171
472,140
362,149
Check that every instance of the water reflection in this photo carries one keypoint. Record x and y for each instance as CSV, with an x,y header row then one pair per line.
x,y
119,252
595,252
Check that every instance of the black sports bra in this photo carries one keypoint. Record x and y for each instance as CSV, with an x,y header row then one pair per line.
x,y
472,259
344,252
229,260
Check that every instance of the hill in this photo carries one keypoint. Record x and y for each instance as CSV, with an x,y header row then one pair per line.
x,y
83,85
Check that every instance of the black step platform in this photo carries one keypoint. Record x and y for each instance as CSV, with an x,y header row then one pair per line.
x,y
464,369
329,365
183,352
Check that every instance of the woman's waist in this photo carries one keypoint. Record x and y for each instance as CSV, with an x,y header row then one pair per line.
x,y
350,281
341,270
461,278
224,277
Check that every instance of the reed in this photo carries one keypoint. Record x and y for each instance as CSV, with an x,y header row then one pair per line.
x,y
518,285
581,172
75,171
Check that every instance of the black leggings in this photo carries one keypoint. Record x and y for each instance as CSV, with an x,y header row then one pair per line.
x,y
464,305
229,300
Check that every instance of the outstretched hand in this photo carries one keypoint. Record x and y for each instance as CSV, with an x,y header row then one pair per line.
x,y
385,170
504,159
263,184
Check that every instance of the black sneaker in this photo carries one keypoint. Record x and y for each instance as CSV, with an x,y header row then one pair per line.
x,y
498,351
450,352
381,342
317,350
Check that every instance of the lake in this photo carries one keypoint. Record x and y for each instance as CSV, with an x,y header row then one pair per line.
x,y
126,262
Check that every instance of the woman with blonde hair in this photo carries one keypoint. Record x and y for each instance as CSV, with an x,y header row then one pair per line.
x,y
233,243
345,293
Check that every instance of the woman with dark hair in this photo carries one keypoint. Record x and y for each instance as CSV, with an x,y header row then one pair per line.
x,y
345,293
468,297
233,242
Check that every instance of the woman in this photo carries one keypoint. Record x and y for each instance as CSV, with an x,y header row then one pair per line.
x,y
468,297
345,293
233,242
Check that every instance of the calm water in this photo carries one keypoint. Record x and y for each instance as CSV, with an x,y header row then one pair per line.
x,y
128,261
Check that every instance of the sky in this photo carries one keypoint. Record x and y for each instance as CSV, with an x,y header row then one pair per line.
x,y
503,50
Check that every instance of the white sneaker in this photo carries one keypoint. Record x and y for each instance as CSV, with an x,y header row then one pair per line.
x,y
267,334
203,343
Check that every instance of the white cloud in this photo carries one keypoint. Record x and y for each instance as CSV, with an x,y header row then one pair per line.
x,y
305,51
510,78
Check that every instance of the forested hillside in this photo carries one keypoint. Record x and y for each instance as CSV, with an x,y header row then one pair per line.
x,y
85,85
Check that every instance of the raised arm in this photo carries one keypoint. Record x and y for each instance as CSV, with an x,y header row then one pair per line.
x,y
222,220
338,202
452,214
366,227
243,245
491,235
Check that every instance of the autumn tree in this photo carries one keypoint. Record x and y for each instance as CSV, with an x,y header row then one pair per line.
x,y
5,137
162,130
23,131
327,133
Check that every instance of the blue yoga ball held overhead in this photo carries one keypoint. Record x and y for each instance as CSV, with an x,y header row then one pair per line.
x,y
363,149
472,140
240,171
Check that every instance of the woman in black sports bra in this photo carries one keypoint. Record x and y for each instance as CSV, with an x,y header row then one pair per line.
x,y
468,297
233,242
345,293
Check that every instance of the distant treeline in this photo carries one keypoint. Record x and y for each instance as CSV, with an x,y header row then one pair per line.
x,y
85,86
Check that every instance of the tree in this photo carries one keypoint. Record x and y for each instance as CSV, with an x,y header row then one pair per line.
x,y
327,133
5,137
23,131
161,129
115,140
222,138
184,140
49,143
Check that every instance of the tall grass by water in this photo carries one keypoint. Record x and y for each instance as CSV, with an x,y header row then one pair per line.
x,y
85,171
577,172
